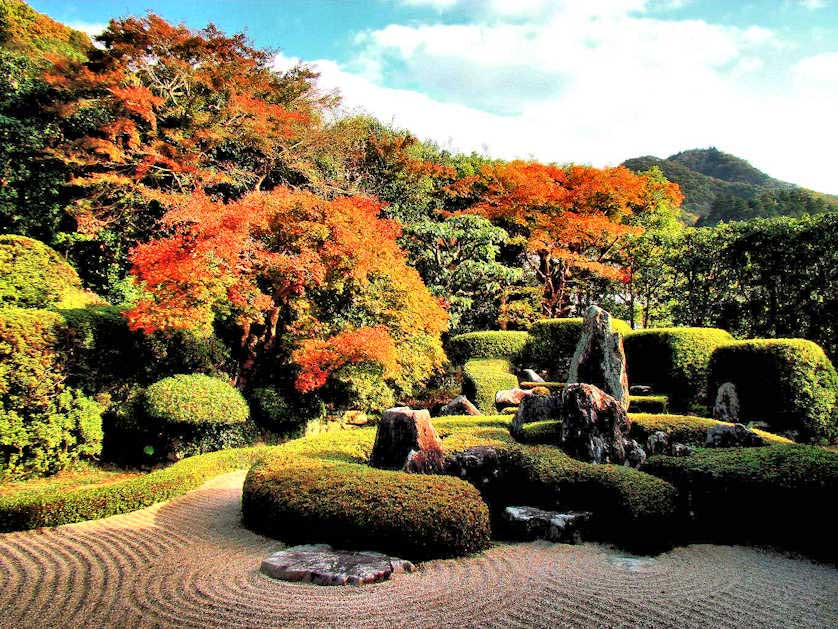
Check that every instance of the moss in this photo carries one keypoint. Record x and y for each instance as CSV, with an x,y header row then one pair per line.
x,y
649,403
684,428
782,494
194,399
476,345
788,383
673,361
482,379
548,385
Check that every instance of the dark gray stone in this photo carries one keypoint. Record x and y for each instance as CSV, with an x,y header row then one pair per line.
x,y
536,408
680,449
726,407
402,433
595,426
530,375
657,443
640,389
460,405
600,359
732,436
321,564
531,523
480,465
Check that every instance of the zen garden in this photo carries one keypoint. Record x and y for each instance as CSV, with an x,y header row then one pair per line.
x,y
265,361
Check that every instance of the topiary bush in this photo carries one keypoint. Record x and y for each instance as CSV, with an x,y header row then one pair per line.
x,y
44,424
32,275
782,494
673,361
649,403
361,387
788,383
685,429
195,399
497,344
552,342
482,379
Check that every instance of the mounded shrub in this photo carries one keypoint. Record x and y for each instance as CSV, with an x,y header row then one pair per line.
x,y
44,424
282,414
361,387
497,344
649,403
29,511
673,361
483,378
32,275
320,489
685,429
195,399
782,494
788,383
552,342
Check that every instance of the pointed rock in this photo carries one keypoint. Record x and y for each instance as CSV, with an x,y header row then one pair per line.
x,y
403,433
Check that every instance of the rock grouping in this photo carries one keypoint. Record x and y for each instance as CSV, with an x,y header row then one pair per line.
x,y
732,436
528,523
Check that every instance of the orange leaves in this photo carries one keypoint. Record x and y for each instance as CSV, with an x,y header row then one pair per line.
x,y
319,358
138,100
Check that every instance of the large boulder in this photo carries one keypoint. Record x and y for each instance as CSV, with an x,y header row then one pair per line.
x,y
536,408
403,434
460,405
511,397
595,427
732,436
599,358
726,407
530,523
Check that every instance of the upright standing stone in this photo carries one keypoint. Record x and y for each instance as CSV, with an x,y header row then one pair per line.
x,y
401,434
726,408
599,358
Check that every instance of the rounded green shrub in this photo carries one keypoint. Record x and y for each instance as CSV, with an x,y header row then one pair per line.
x,y
788,383
673,361
361,387
496,344
194,399
482,379
281,414
649,403
32,275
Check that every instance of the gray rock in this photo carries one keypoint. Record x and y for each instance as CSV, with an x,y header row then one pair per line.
x,y
321,564
635,454
657,443
726,407
599,358
480,465
640,389
402,433
460,405
536,408
531,523
680,449
732,436
511,397
530,375
595,426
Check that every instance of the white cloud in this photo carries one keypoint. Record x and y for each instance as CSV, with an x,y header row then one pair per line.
x,y
813,5
822,67
91,28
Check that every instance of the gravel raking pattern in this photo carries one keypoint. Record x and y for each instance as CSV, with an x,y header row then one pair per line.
x,y
189,562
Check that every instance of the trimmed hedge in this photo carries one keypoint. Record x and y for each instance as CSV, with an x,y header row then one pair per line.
x,y
685,429
28,511
482,379
194,399
783,495
552,343
673,361
497,344
649,403
788,383
320,489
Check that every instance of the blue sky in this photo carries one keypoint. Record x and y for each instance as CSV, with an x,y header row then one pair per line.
x,y
590,81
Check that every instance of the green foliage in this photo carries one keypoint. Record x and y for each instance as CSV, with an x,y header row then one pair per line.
x,y
44,424
552,343
779,494
472,345
320,489
362,387
26,30
788,383
649,403
23,511
283,414
194,399
673,361
685,429
483,378
34,276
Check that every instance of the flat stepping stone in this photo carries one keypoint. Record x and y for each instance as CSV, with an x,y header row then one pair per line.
x,y
555,526
323,565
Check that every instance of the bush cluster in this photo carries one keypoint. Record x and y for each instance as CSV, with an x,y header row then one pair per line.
x,y
649,403
361,387
483,378
496,344
781,494
788,383
194,399
283,414
673,361
685,429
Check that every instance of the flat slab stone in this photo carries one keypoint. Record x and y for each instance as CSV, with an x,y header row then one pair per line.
x,y
554,526
322,565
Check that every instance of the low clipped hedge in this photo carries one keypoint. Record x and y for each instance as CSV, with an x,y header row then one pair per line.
x,y
649,403
552,342
493,344
319,489
673,361
782,495
788,383
28,511
685,429
194,399
483,378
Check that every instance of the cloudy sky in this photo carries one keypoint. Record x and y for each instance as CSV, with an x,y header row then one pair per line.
x,y
587,81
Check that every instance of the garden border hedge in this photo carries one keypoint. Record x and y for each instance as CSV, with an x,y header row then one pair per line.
x,y
490,344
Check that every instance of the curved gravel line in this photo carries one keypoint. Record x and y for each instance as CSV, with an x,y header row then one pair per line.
x,y
189,562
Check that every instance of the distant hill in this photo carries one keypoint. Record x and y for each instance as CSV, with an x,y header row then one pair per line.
x,y
38,36
718,186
